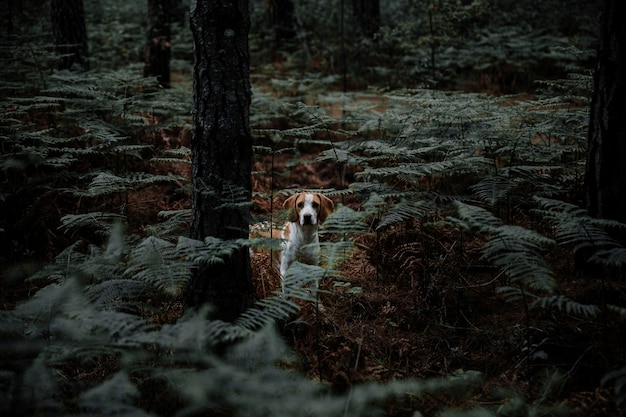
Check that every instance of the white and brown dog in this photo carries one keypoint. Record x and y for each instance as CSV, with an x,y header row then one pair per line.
x,y
300,239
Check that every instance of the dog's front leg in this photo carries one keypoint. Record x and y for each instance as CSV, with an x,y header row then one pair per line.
x,y
288,255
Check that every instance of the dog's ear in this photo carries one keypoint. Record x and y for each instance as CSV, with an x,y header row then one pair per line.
x,y
290,204
327,206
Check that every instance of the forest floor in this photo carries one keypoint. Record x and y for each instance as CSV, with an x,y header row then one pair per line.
x,y
417,301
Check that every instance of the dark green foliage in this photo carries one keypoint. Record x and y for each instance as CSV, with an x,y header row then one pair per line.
x,y
447,43
101,330
105,320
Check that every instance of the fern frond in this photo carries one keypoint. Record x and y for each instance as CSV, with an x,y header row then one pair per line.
x,y
171,160
477,217
100,221
405,210
302,278
63,161
271,309
621,311
618,379
156,263
591,236
558,302
515,250
613,257
117,293
568,305
345,220
115,396
52,301
493,188
176,223
554,208
131,149
105,183
210,251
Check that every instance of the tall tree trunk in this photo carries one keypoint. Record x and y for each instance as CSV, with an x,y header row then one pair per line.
x,y
9,24
605,178
159,44
70,32
222,150
281,17
367,13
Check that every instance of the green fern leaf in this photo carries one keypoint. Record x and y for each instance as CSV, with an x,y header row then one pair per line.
x,y
405,210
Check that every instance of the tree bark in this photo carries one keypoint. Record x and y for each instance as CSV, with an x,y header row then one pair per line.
x,y
159,43
605,177
221,150
70,33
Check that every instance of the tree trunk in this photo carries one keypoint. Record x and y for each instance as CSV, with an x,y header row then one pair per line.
x,y
605,178
367,13
70,33
281,17
159,46
222,150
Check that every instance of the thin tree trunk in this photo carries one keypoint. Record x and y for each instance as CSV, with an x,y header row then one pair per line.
x,y
222,150
367,13
159,44
281,17
605,179
70,33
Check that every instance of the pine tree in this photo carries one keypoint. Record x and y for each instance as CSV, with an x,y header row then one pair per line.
x,y
606,164
222,151
70,32
159,42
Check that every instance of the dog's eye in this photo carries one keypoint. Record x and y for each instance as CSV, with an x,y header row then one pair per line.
x,y
300,204
315,205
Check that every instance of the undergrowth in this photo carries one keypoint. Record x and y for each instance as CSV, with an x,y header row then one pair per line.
x,y
448,203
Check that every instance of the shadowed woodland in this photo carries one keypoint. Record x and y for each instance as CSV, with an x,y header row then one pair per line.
x,y
462,272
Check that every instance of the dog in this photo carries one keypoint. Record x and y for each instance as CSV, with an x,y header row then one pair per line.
x,y
301,240
299,235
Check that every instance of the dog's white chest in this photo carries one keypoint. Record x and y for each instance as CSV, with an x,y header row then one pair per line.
x,y
302,245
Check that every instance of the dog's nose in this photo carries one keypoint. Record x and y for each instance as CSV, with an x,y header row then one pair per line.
x,y
306,219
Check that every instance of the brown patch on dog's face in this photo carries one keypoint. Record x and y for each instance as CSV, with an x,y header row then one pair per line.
x,y
326,206
322,205
290,204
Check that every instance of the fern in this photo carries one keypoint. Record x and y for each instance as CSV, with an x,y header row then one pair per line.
x,y
618,379
494,189
564,303
557,302
117,395
176,223
99,221
175,156
414,151
106,183
345,220
82,325
590,237
517,251
405,210
153,262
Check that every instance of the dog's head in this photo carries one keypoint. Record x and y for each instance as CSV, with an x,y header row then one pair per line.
x,y
309,208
